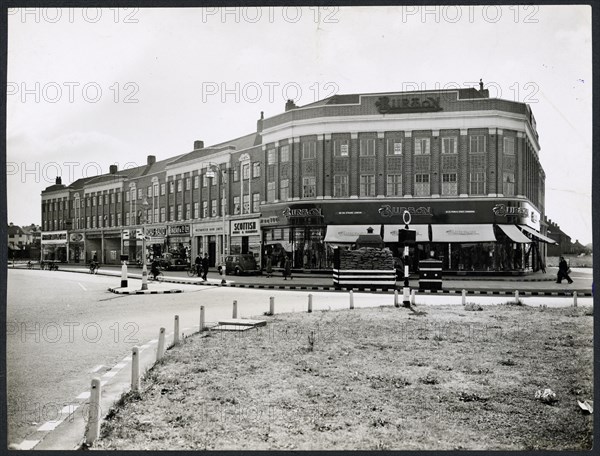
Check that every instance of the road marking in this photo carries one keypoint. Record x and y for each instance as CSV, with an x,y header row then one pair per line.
x,y
103,382
82,287
97,368
153,341
50,425
84,395
110,374
119,366
127,359
143,347
27,444
68,409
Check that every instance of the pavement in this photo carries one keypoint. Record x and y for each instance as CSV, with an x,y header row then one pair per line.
x,y
534,284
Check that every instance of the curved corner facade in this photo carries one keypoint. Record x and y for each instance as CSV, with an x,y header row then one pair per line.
x,y
311,179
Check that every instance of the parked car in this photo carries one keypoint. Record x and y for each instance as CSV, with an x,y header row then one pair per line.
x,y
244,263
170,261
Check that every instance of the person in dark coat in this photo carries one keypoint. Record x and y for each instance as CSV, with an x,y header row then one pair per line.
x,y
198,264
287,268
269,267
563,271
205,266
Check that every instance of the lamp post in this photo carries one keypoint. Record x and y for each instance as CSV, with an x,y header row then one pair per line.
x,y
144,268
214,169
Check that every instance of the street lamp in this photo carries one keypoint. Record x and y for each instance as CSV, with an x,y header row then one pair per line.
x,y
143,222
215,169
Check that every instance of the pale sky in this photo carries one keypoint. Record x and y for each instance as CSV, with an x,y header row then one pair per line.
x,y
88,88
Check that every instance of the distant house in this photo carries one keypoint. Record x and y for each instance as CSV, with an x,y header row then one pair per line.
x,y
17,238
564,244
24,242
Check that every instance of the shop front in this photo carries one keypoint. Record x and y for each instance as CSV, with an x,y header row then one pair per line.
x,y
93,246
178,242
245,237
156,241
76,248
111,247
489,235
207,238
55,246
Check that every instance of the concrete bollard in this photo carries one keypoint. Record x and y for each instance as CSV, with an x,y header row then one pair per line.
x,y
124,275
396,303
272,305
93,429
412,297
516,296
176,331
135,369
310,303
234,313
201,319
160,351
574,299
464,297
351,294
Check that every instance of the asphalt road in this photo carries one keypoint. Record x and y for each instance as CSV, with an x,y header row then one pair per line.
x,y
65,327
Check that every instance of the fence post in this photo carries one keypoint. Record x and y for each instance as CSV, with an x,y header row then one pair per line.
x,y
201,318
516,296
93,430
310,303
412,297
464,297
351,293
135,369
176,329
160,351
272,305
234,313
396,303
574,299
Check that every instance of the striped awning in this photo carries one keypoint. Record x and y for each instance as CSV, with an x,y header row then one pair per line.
x,y
463,233
541,237
515,234
390,232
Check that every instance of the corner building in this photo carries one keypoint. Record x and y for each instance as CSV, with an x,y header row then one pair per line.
x,y
311,179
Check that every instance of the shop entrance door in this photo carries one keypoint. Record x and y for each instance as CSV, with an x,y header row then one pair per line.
x,y
212,252
245,244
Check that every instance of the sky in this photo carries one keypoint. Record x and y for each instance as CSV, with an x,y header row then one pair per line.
x,y
88,88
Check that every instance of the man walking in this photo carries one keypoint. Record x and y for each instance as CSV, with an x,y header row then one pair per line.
x,y
563,271
205,266
198,264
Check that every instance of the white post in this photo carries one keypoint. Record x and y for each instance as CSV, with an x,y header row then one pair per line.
x,y
272,305
464,297
574,299
144,268
351,294
201,319
406,289
124,275
135,369
310,296
396,303
160,351
516,296
234,309
412,297
176,331
93,430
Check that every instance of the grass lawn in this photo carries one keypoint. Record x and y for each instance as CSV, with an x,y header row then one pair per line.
x,y
440,379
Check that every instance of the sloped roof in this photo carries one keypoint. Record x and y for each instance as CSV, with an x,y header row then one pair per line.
x,y
14,230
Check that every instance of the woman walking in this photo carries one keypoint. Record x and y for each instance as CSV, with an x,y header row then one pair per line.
x,y
287,268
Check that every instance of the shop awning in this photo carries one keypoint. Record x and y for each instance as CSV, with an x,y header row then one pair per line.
x,y
541,237
348,233
463,233
390,232
514,233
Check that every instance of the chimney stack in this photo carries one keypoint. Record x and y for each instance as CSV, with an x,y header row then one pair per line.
x,y
151,159
480,85
198,144
289,105
113,169
259,122
58,180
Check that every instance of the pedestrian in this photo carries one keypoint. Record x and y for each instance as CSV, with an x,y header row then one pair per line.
x,y
205,266
198,264
269,267
563,271
287,268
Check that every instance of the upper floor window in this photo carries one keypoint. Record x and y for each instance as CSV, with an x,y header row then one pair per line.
x,y
284,154
421,146
394,146
179,185
509,145
341,148
246,171
196,181
309,187
309,150
271,157
256,169
477,144
367,147
449,145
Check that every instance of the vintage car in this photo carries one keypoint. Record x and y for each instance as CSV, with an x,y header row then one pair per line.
x,y
173,262
244,263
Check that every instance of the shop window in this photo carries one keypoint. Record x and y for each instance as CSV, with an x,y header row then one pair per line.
x,y
509,145
394,185
163,214
508,184
367,185
394,146
449,184
256,169
196,181
284,190
309,150
256,202
284,154
421,146
477,183
236,205
422,185
246,204
341,148
477,144
270,192
340,186
367,147
449,145
309,187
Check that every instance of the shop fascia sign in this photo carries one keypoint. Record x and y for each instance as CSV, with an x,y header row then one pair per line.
x,y
76,237
207,228
403,104
179,229
388,210
502,210
156,232
54,238
302,212
244,227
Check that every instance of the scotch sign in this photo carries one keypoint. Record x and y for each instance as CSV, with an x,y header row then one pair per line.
x,y
398,105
